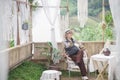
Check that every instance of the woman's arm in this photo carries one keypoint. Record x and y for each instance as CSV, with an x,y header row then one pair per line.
x,y
64,54
80,45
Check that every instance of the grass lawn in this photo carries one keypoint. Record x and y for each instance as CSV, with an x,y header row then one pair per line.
x,y
32,71
29,70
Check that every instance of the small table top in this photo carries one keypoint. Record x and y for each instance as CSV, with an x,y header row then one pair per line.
x,y
101,57
50,74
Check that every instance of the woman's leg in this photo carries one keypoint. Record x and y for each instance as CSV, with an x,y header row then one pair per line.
x,y
80,62
78,59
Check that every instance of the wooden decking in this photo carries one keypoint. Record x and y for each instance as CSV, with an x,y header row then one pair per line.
x,y
79,78
76,78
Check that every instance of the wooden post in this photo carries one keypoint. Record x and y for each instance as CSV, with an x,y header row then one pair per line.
x,y
18,10
68,12
103,20
103,30
30,29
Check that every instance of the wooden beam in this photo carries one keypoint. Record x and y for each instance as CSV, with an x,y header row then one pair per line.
x,y
22,2
51,6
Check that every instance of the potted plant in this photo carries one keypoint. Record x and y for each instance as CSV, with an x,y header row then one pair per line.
x,y
53,55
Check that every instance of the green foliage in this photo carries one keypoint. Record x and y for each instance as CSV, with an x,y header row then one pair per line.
x,y
12,43
94,7
51,53
32,71
92,31
34,4
72,6
55,53
108,18
109,33
31,1
27,71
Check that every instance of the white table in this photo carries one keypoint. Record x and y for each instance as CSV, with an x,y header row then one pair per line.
x,y
50,75
106,61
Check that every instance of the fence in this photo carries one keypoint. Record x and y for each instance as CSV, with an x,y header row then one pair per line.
x,y
91,48
18,54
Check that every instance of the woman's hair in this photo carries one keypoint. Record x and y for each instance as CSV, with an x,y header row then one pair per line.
x,y
68,30
66,33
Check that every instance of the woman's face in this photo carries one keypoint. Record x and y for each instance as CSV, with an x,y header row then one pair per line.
x,y
69,34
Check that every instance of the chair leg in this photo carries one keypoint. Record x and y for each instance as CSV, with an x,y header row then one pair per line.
x,y
88,71
69,72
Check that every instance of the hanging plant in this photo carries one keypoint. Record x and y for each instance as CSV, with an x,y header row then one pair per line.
x,y
34,4
31,1
25,26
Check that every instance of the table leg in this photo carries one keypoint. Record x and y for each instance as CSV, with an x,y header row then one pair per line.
x,y
100,76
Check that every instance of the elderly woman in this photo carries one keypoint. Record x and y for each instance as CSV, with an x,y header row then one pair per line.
x,y
74,52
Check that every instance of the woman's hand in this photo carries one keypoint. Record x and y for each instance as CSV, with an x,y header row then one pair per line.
x,y
66,56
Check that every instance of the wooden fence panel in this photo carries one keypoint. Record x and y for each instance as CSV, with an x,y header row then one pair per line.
x,y
91,48
18,54
39,49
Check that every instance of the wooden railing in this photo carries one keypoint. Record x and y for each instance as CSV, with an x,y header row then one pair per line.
x,y
18,54
91,47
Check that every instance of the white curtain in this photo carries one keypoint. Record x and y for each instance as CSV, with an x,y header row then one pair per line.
x,y
52,14
46,22
82,6
14,21
5,17
115,9
24,18
63,25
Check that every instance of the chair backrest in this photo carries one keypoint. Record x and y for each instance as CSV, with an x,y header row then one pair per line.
x,y
73,67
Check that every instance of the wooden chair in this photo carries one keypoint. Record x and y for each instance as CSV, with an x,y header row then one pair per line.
x,y
71,66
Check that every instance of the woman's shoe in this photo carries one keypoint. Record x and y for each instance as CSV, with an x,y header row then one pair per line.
x,y
84,78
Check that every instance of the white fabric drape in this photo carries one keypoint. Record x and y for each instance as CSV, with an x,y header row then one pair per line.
x,y
63,25
5,10
24,18
82,6
46,22
115,9
52,14
14,22
41,26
